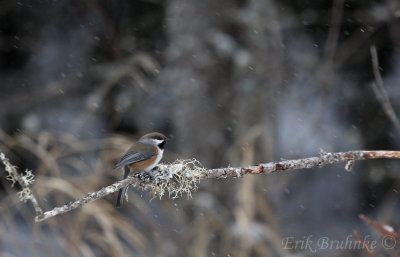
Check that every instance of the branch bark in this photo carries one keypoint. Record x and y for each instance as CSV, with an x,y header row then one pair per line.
x,y
323,159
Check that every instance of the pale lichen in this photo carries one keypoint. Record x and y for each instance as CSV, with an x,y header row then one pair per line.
x,y
177,178
25,194
11,178
9,168
26,180
29,178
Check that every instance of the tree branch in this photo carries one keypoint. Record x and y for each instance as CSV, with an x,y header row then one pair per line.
x,y
89,198
24,182
165,174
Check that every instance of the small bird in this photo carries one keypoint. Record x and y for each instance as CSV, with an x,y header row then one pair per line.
x,y
144,154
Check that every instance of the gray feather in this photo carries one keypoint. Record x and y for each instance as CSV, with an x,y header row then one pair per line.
x,y
132,157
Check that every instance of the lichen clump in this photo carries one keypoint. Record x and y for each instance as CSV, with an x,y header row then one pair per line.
x,y
28,179
177,178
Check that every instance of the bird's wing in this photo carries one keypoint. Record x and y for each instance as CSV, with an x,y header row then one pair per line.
x,y
132,157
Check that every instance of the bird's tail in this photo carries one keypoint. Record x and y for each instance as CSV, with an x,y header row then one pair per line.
x,y
122,191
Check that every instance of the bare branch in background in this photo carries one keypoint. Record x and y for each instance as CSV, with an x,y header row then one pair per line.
x,y
380,91
182,176
334,31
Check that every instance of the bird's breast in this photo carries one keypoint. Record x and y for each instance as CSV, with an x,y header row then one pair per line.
x,y
147,164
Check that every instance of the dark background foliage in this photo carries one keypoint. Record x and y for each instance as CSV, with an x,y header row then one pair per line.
x,y
232,82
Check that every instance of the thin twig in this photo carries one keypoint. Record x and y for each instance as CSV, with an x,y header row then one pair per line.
x,y
380,91
365,246
323,159
23,183
381,228
334,31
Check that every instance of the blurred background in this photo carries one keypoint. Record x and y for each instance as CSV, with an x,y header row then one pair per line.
x,y
231,82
